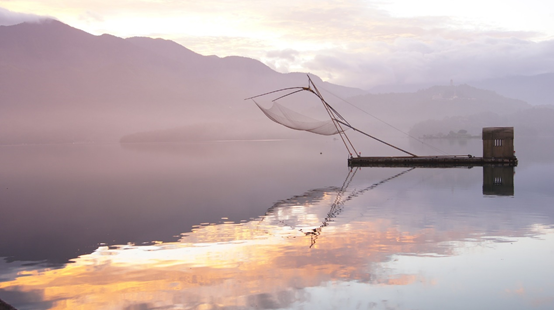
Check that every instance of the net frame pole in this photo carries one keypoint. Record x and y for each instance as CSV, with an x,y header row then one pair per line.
x,y
333,115
332,112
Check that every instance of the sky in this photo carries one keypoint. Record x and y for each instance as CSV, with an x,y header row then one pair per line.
x,y
361,43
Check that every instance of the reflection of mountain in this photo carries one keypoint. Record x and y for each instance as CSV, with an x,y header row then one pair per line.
x,y
267,264
63,200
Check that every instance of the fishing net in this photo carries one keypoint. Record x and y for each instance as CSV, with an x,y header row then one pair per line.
x,y
294,120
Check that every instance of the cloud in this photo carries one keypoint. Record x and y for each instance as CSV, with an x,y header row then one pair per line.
x,y
91,17
281,60
356,43
413,61
286,54
228,46
8,18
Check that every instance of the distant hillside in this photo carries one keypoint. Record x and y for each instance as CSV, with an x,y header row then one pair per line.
x,y
432,111
535,89
61,84
536,122
448,110
407,109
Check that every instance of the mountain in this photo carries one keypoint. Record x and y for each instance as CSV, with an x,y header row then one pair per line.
x,y
61,84
431,111
443,111
536,121
534,89
404,110
399,88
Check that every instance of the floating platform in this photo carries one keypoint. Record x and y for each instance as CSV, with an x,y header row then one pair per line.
x,y
429,161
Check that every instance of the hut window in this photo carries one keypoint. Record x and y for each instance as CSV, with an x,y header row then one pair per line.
x,y
497,142
498,180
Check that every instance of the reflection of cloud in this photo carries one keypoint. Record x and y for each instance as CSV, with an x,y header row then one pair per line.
x,y
402,280
258,263
263,263
534,297
538,302
254,263
517,291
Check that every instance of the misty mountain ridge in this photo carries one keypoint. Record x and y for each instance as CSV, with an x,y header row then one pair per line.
x,y
536,121
534,89
61,84
436,102
439,110
444,107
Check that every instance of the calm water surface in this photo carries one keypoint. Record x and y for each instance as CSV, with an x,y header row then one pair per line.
x,y
271,225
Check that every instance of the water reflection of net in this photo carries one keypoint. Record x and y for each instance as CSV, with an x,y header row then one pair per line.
x,y
338,205
298,211
283,212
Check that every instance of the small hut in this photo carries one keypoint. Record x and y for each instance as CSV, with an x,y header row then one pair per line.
x,y
498,142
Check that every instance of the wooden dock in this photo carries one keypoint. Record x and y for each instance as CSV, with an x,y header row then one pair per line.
x,y
498,150
429,161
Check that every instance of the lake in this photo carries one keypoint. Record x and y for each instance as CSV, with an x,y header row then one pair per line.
x,y
275,224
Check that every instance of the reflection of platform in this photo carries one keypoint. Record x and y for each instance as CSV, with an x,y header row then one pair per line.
x,y
498,180
428,161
